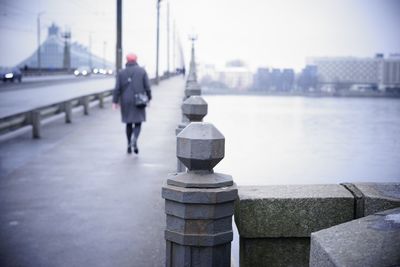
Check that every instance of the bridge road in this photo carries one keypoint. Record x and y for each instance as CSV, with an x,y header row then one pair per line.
x,y
77,199
20,100
41,81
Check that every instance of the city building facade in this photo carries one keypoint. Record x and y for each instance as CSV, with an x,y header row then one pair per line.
x,y
233,76
274,79
239,78
377,71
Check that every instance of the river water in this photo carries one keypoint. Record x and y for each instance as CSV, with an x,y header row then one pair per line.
x,y
300,140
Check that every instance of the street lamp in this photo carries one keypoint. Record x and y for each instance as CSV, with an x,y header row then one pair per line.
x,y
104,54
39,56
118,60
158,40
193,38
168,39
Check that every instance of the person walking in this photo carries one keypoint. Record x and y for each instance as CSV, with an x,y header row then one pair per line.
x,y
183,72
131,82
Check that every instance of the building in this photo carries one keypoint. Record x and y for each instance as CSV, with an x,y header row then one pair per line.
x,y
238,78
58,53
274,80
287,79
308,78
235,75
391,73
378,71
207,73
261,80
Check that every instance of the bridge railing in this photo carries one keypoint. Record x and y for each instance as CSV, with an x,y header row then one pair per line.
x,y
199,203
35,116
278,225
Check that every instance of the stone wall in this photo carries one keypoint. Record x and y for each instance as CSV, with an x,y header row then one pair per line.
x,y
369,241
275,222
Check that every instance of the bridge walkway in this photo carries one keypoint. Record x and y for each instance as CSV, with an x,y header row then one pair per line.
x,y
75,198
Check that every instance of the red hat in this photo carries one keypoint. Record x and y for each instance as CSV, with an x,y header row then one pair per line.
x,y
131,57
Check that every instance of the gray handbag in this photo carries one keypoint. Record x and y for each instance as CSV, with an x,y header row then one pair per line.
x,y
141,100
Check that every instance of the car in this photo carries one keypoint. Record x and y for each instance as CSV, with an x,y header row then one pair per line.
x,y
98,71
103,71
82,71
11,74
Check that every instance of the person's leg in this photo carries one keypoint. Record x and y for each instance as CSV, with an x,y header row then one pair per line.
x,y
129,131
136,133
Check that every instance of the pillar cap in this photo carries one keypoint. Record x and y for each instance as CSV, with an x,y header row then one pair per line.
x,y
195,108
200,146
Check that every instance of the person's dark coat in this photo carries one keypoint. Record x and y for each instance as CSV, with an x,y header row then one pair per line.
x,y
125,90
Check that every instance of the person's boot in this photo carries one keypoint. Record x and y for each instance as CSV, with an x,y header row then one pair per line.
x,y
129,150
134,145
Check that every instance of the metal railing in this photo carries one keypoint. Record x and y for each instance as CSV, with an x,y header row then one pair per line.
x,y
35,116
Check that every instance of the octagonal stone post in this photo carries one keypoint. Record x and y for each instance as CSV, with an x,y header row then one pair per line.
x,y
191,78
193,109
192,88
199,202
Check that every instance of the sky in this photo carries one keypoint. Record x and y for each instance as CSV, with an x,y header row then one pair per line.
x,y
268,33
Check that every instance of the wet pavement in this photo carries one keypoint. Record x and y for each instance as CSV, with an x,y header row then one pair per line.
x,y
75,198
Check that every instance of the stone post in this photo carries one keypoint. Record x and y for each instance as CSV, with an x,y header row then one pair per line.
x,y
191,78
194,109
35,121
68,111
85,102
192,88
199,203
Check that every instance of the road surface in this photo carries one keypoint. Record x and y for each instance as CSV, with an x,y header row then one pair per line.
x,y
32,82
75,198
16,101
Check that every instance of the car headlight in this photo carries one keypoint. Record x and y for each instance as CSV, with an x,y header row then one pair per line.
x,y
9,75
84,72
76,72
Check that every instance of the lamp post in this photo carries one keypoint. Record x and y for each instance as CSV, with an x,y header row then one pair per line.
x,y
90,52
173,47
104,54
168,41
192,70
39,56
118,61
158,40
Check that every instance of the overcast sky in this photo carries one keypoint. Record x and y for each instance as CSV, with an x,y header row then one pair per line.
x,y
279,33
